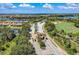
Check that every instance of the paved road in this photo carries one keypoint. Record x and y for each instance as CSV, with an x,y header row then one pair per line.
x,y
54,46
51,48
36,45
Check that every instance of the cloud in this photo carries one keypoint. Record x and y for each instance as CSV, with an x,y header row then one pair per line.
x,y
14,7
7,5
71,6
48,6
26,5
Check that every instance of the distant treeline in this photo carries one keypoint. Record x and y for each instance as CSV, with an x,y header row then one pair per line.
x,y
29,16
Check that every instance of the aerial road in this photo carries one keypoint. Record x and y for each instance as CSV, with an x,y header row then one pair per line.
x,y
51,47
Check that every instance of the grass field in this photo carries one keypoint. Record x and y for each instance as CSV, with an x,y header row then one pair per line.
x,y
68,27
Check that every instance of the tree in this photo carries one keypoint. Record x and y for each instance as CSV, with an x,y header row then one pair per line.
x,y
49,26
72,51
23,46
76,24
25,29
10,35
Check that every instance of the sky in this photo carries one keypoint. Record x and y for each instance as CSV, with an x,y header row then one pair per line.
x,y
38,8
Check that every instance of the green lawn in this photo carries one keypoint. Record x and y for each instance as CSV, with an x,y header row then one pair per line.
x,y
68,27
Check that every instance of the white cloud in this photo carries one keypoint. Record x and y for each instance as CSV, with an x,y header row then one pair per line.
x,y
33,6
14,7
71,6
7,5
26,5
62,7
48,6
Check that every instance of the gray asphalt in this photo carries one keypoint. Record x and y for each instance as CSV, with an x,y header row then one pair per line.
x,y
51,48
